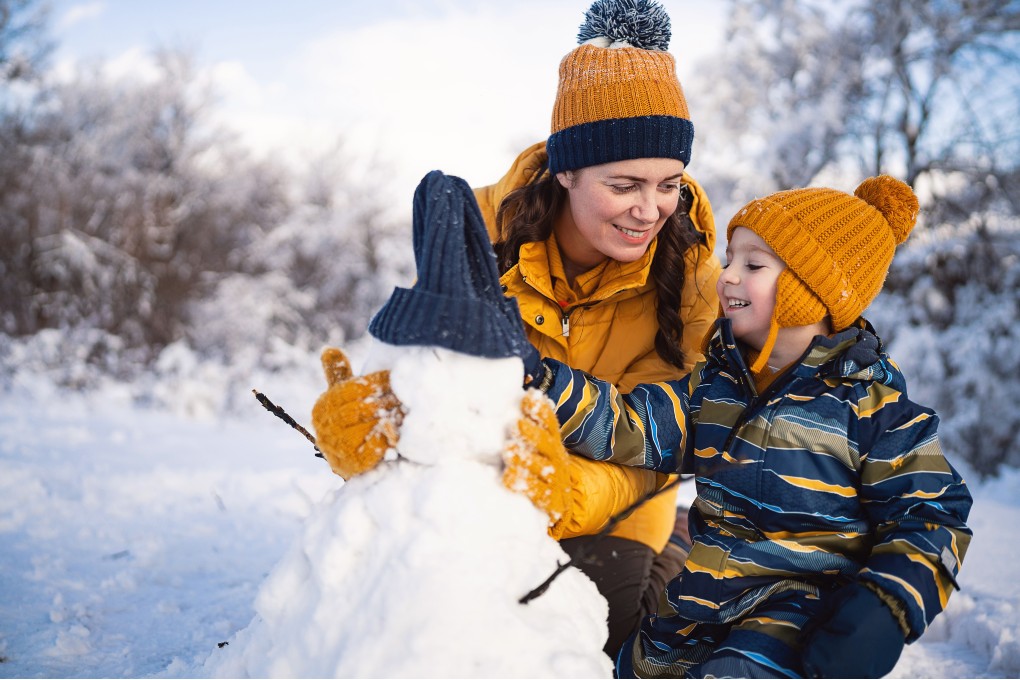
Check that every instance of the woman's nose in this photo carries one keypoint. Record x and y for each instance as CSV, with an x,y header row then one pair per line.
x,y
646,209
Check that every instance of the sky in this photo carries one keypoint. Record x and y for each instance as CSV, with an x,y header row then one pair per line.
x,y
427,84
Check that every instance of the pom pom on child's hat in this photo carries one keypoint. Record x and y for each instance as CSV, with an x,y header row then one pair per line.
x,y
618,96
837,248
457,301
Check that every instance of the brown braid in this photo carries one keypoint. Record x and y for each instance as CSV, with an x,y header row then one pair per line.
x,y
527,214
669,272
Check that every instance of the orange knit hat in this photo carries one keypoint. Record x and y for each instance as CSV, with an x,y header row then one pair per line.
x,y
618,96
837,248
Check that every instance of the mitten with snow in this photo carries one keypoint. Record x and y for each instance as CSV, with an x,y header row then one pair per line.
x,y
536,462
857,636
356,419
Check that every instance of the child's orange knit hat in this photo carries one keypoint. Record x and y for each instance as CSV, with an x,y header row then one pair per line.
x,y
837,248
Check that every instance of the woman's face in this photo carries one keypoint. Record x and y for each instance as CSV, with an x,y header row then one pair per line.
x,y
614,210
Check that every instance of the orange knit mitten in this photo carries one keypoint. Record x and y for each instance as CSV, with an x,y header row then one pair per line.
x,y
536,462
356,420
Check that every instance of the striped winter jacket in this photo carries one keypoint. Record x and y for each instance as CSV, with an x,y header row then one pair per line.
x,y
831,475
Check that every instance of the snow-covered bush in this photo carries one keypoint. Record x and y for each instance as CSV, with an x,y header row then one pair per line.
x,y
117,202
123,209
78,358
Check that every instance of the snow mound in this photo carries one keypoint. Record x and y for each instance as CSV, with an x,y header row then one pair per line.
x,y
416,568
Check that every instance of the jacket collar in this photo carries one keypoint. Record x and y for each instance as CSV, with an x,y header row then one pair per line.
x,y
849,354
534,268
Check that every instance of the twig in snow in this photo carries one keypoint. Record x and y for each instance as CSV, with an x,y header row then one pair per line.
x,y
285,417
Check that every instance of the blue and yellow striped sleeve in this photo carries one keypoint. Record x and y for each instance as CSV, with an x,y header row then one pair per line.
x,y
646,428
918,504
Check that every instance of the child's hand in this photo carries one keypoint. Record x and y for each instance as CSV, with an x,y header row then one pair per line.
x,y
535,372
355,419
857,637
536,462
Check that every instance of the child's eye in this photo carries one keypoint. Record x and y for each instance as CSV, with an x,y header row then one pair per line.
x,y
755,267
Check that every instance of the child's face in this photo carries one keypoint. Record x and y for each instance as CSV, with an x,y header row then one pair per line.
x,y
747,286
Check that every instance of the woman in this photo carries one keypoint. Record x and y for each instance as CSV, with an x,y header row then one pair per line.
x,y
607,245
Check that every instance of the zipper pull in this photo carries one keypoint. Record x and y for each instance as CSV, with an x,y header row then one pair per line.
x,y
566,325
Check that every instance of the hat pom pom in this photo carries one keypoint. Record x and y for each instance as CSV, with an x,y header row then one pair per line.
x,y
639,23
894,199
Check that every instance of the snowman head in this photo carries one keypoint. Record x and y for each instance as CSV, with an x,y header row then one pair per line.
x,y
457,302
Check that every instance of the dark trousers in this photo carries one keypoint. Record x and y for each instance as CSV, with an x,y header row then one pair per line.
x,y
629,574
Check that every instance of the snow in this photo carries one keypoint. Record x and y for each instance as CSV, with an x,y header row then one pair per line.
x,y
416,568
136,540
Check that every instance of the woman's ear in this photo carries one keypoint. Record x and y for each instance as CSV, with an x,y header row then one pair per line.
x,y
566,179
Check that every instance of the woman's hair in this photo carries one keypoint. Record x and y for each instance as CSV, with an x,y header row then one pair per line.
x,y
528,213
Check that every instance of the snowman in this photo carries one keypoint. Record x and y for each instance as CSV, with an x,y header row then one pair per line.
x,y
417,565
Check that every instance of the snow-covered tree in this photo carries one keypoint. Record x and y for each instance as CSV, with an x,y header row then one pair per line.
x,y
806,92
345,244
23,42
126,213
772,105
950,314
944,84
123,204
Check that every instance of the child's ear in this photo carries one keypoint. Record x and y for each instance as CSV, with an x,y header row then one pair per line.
x,y
796,304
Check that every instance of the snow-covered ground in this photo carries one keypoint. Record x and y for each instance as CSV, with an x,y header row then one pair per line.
x,y
134,541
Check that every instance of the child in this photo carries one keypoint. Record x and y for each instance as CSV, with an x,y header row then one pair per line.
x,y
828,527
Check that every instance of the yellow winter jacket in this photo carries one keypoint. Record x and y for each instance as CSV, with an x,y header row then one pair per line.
x,y
608,331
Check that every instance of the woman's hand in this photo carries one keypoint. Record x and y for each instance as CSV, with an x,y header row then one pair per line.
x,y
536,462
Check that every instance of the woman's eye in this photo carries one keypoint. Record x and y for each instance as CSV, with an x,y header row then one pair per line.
x,y
623,188
667,188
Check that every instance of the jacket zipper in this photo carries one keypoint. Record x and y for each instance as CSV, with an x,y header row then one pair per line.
x,y
752,404
565,318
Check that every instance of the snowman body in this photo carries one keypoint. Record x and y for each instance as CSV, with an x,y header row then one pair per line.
x,y
416,568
